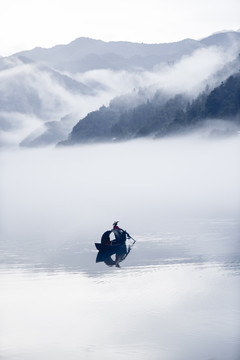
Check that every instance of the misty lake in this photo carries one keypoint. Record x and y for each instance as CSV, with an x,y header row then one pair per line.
x,y
176,296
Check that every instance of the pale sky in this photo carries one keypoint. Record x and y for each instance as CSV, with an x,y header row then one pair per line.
x,y
25,24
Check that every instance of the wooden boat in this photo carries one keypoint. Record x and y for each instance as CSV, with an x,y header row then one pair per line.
x,y
111,247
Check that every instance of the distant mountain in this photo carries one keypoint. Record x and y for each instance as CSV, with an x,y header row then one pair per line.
x,y
155,118
224,39
85,54
33,94
44,92
23,82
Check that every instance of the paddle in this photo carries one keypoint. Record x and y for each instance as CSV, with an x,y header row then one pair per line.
x,y
131,238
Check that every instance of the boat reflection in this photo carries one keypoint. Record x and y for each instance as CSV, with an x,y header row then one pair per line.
x,y
114,255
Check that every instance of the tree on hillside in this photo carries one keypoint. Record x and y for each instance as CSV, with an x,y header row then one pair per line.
x,y
224,101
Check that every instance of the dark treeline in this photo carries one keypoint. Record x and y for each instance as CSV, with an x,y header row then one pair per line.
x,y
159,117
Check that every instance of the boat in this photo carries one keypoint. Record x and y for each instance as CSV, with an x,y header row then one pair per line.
x,y
120,247
111,247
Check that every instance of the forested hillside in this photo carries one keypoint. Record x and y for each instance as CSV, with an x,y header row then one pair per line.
x,y
159,117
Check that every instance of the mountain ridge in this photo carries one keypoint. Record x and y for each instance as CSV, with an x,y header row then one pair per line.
x,y
74,56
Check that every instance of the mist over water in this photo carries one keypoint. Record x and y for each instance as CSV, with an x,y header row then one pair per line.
x,y
85,188
175,296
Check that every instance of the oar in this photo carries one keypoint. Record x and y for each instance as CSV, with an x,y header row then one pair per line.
x,y
132,238
129,236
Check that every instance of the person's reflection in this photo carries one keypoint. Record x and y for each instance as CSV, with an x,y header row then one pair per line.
x,y
113,258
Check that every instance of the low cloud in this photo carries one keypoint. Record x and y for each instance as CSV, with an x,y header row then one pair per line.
x,y
15,126
192,73
189,75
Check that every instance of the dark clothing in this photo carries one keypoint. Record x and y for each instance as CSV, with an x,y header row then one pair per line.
x,y
106,238
120,235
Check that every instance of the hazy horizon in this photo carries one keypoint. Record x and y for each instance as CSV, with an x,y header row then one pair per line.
x,y
156,22
36,46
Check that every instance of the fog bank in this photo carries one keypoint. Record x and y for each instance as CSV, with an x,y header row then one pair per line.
x,y
78,192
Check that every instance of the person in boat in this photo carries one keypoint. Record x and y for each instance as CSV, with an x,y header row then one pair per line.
x,y
119,233
115,226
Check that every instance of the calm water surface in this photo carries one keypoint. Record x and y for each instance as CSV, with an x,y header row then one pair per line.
x,y
176,295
